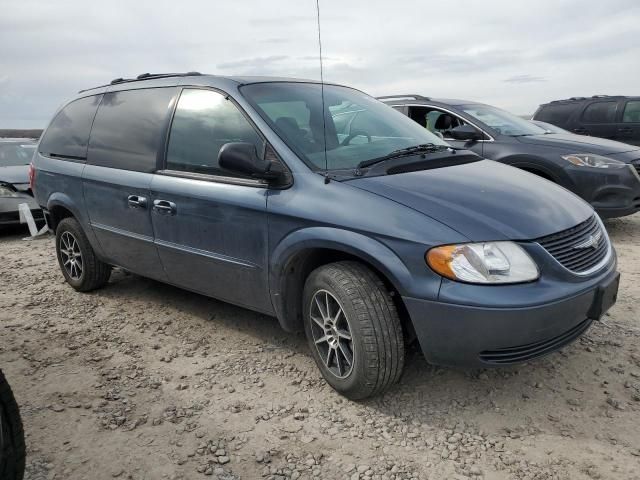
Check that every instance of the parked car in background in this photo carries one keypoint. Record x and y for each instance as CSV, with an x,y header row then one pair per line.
x,y
604,116
603,172
548,127
365,232
15,156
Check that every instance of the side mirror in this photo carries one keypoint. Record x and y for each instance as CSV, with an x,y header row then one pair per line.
x,y
242,157
465,133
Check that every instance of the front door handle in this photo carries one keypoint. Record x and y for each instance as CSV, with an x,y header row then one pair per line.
x,y
625,130
136,201
164,207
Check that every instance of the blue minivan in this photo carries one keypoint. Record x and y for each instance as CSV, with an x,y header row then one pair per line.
x,y
255,191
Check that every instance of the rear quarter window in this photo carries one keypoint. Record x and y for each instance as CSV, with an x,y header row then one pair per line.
x,y
68,134
557,114
128,129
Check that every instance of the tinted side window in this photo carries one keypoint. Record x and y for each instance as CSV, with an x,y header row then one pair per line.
x,y
127,130
68,134
204,121
600,112
632,112
556,114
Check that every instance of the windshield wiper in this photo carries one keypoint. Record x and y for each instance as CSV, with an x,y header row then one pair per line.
x,y
404,152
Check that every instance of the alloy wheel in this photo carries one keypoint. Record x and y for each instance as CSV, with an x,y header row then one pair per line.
x,y
71,255
331,333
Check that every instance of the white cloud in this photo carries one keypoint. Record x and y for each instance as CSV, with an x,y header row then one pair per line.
x,y
500,52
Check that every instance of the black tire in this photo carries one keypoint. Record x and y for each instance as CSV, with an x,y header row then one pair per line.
x,y
12,447
377,343
94,273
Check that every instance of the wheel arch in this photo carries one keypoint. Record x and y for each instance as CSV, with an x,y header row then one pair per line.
x,y
534,165
59,207
305,250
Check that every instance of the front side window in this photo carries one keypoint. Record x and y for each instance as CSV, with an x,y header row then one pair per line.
x,y
601,112
501,121
13,154
632,112
68,134
354,128
203,122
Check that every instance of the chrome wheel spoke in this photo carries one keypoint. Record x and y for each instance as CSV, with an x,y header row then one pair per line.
x,y
328,360
345,354
343,334
324,339
318,322
338,363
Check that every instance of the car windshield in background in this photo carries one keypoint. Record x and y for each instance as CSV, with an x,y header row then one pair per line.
x,y
358,127
12,154
502,122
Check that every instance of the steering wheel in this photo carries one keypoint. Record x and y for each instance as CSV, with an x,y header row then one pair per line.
x,y
354,134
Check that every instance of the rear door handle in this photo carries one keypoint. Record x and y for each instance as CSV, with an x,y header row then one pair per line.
x,y
136,201
625,130
164,207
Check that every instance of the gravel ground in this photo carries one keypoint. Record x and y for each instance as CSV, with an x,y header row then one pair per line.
x,y
142,380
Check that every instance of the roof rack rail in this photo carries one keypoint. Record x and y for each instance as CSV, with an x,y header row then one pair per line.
x,y
144,76
399,97
599,96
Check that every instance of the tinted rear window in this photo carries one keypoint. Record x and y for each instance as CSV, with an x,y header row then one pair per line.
x,y
128,129
68,134
601,112
556,114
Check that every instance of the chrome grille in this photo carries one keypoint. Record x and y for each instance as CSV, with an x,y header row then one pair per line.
x,y
580,248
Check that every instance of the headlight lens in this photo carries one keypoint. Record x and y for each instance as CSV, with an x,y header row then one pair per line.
x,y
591,160
7,192
488,263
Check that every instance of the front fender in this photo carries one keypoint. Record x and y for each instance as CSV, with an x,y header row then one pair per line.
x,y
361,246
367,249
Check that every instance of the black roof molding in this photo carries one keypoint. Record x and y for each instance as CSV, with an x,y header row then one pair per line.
x,y
412,96
144,76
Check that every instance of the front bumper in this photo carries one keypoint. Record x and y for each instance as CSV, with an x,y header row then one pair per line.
x,y
9,209
612,193
476,336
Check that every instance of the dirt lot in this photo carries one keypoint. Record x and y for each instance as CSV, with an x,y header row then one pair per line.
x,y
145,381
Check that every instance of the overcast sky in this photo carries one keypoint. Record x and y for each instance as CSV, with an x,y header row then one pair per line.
x,y
511,53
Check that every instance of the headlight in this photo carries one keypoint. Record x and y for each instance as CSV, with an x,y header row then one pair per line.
x,y
7,192
595,161
491,262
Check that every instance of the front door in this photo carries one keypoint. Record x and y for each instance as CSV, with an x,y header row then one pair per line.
x,y
210,226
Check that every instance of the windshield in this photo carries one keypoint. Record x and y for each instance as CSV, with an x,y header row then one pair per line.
x,y
358,127
12,154
502,122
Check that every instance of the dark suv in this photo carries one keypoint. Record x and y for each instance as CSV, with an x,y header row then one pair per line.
x,y
603,172
612,117
252,191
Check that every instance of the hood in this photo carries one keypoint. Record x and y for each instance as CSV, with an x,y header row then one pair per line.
x,y
484,200
571,143
16,175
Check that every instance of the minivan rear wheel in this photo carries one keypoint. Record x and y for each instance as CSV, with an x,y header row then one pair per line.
x,y
78,262
353,329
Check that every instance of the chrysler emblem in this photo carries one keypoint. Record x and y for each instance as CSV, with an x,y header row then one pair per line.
x,y
592,241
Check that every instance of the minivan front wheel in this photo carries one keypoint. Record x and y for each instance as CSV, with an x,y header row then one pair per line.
x,y
353,329
78,262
